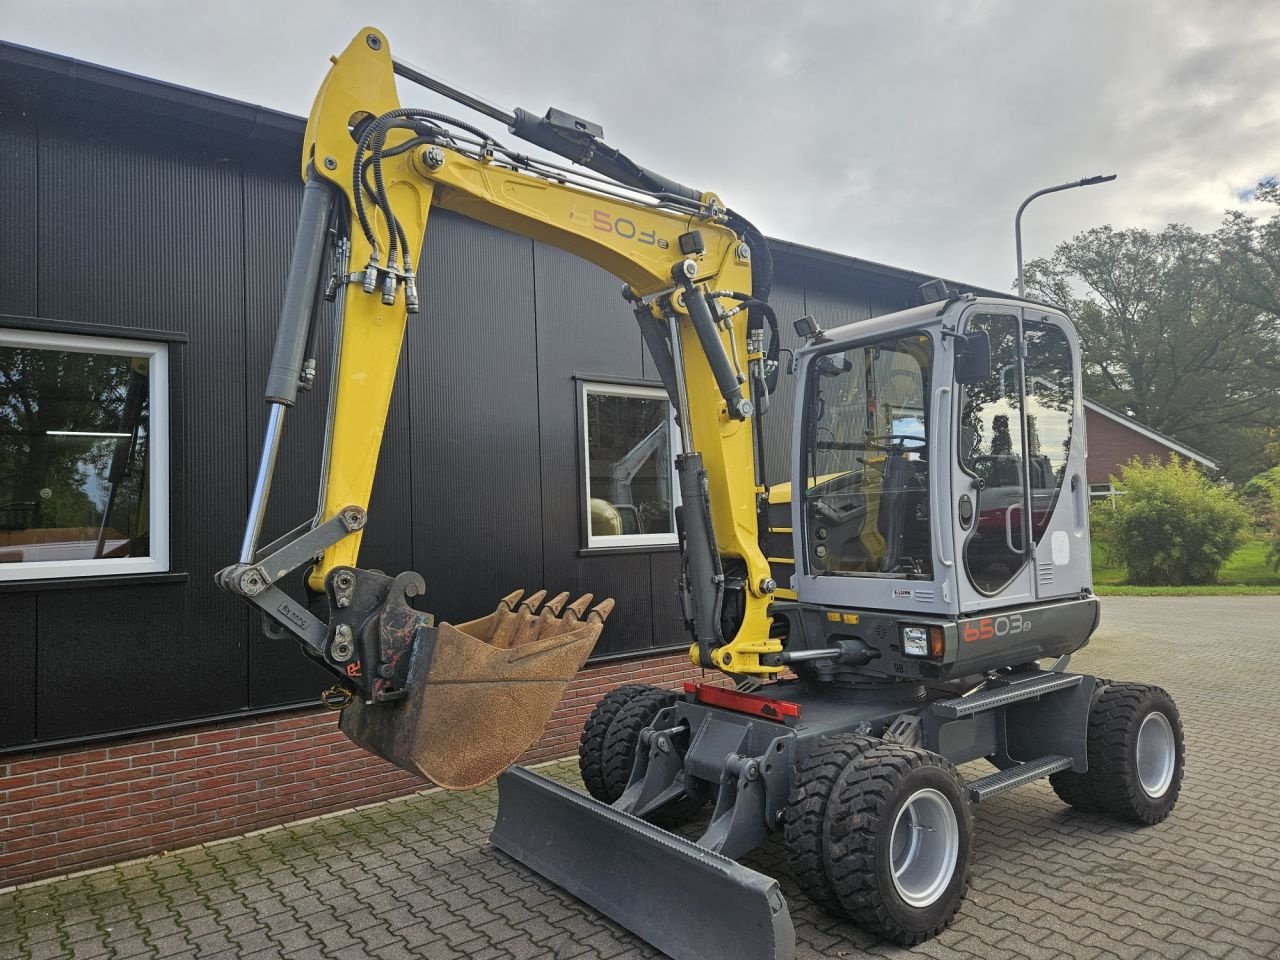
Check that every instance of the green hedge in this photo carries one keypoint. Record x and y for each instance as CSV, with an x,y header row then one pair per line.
x,y
1170,525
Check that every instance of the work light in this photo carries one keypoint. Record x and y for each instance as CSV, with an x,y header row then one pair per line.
x,y
915,641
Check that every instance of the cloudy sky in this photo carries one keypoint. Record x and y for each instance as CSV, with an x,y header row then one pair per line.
x,y
901,131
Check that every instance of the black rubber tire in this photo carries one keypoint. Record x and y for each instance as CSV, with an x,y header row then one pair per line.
x,y
872,789
804,822
1111,786
620,754
594,732
624,733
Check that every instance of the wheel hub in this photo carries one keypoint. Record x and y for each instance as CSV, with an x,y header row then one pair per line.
x,y
1157,754
924,847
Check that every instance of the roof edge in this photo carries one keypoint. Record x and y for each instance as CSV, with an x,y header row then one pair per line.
x,y
82,77
1165,441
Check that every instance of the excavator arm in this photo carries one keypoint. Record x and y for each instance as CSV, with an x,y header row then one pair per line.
x,y
373,172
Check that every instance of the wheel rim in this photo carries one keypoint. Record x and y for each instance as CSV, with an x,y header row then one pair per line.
x,y
924,847
1157,754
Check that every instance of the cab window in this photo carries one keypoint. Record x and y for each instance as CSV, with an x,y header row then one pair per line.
x,y
866,494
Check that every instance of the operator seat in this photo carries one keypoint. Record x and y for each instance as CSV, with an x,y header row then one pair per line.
x,y
891,519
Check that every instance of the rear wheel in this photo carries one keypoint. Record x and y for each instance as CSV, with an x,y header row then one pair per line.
x,y
1136,756
899,834
594,732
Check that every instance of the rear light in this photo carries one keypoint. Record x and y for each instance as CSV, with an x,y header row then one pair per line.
x,y
937,642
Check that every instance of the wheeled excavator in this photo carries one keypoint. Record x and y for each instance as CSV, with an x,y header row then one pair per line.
x,y
907,600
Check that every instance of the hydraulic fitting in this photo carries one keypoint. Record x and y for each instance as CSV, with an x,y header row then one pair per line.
x,y
370,282
410,292
389,285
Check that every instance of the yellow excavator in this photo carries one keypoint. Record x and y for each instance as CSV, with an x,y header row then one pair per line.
x,y
906,600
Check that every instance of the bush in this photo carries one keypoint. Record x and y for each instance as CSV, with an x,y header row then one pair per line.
x,y
1265,485
1262,494
1170,526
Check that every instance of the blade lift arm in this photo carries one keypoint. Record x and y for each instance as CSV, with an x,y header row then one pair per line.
x,y
373,170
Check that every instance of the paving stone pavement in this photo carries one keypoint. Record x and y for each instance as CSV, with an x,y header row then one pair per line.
x,y
415,877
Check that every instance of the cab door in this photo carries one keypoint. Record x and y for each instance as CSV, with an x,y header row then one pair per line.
x,y
1054,431
990,496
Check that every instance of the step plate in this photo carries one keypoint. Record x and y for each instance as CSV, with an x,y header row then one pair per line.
x,y
1034,686
1005,780
688,902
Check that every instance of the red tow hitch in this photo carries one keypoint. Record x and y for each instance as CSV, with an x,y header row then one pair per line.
x,y
740,702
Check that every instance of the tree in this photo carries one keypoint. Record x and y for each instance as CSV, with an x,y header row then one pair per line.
x,y
1177,329
1249,256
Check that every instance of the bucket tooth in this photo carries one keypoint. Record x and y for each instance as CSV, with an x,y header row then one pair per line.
x,y
688,902
477,694
578,607
551,609
530,603
511,600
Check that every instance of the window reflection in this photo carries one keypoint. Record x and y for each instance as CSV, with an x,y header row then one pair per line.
x,y
74,436
629,463
991,450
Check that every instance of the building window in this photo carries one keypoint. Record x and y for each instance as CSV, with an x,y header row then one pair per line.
x,y
629,444
84,478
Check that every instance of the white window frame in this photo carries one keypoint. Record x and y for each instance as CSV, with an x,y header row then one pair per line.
x,y
157,354
1096,493
597,388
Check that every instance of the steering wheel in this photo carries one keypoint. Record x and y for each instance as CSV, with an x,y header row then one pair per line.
x,y
876,442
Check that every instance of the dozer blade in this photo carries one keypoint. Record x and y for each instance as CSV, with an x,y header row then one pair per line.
x,y
479,694
688,902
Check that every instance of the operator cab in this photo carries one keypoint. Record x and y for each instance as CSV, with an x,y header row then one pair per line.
x,y
934,489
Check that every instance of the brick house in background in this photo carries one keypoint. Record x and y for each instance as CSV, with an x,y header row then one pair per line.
x,y
1115,439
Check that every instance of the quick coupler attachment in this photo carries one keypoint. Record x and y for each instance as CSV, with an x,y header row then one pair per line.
x,y
688,902
477,695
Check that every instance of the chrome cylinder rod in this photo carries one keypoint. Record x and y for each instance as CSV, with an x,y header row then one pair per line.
x,y
414,75
824,653
262,485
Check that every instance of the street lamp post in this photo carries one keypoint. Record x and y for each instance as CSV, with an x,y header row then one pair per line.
x,y
1017,220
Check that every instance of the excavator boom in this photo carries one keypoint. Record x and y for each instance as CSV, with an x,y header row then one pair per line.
x,y
425,695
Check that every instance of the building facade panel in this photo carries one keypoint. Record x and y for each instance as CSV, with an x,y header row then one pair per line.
x,y
19,151
585,331
18,719
472,389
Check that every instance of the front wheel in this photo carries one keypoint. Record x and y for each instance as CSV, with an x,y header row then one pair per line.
x,y
591,752
1136,756
900,833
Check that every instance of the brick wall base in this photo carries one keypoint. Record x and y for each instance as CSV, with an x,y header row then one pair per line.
x,y
68,810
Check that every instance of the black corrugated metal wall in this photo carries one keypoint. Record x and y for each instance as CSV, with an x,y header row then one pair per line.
x,y
131,223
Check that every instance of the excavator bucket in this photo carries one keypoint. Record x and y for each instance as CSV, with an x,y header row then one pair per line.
x,y
480,693
689,902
